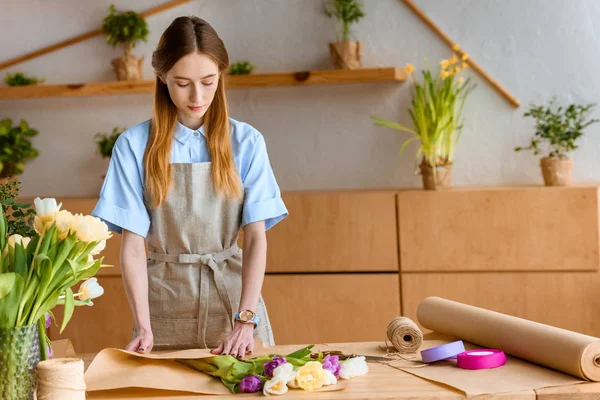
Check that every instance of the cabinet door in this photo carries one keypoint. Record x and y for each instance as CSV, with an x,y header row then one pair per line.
x,y
499,229
107,323
566,300
342,231
331,307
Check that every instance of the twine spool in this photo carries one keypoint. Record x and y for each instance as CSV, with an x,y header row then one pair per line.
x,y
405,335
60,379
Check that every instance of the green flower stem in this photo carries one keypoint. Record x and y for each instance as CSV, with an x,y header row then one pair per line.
x,y
43,341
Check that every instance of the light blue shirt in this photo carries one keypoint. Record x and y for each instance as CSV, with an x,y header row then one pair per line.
x,y
121,203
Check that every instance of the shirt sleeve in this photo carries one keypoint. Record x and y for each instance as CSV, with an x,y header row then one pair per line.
x,y
121,204
262,200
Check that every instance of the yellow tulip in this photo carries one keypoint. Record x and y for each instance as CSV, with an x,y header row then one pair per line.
x,y
409,68
311,376
465,57
456,47
444,63
454,59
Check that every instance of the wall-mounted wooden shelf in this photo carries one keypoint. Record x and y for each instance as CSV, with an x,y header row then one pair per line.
x,y
235,81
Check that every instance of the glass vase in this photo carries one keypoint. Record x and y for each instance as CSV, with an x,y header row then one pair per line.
x,y
19,355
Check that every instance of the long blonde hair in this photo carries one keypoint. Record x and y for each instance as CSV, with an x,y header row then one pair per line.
x,y
184,36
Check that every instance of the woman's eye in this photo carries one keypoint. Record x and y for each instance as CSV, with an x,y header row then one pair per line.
x,y
207,83
182,85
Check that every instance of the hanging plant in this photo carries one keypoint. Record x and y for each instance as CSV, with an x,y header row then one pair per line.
x,y
345,54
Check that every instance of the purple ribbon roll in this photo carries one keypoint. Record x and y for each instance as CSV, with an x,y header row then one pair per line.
x,y
443,352
481,359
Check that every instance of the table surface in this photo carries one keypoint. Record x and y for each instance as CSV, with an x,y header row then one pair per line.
x,y
381,382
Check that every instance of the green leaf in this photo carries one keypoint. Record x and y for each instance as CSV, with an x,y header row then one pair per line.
x,y
301,352
69,307
7,282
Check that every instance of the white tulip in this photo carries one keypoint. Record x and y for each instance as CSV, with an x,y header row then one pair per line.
x,y
15,239
45,210
330,378
276,385
90,289
353,367
90,229
64,223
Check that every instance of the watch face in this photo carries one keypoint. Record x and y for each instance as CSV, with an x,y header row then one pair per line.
x,y
246,315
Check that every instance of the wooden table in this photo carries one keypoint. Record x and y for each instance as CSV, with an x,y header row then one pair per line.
x,y
382,382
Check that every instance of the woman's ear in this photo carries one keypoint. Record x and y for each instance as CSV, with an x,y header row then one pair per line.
x,y
162,77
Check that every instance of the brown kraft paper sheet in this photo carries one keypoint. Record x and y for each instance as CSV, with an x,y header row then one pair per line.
x,y
563,357
117,371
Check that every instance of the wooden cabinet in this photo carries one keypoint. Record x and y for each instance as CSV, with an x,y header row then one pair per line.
x,y
317,308
343,264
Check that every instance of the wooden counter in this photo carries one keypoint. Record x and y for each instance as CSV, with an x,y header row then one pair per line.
x,y
381,382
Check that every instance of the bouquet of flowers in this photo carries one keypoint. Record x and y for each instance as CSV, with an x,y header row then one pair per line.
x,y
276,374
36,274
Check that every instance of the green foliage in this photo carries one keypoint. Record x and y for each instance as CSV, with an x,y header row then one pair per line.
x,y
243,67
106,142
19,216
127,27
346,12
20,79
436,113
558,129
15,147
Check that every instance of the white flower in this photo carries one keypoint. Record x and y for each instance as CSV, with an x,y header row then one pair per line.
x,y
98,249
277,386
45,211
64,223
89,228
284,371
353,367
90,289
15,239
330,378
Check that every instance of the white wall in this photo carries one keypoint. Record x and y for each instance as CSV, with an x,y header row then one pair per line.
x,y
321,136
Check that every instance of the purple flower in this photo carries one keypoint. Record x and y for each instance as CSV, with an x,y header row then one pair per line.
x,y
250,384
274,363
331,363
50,352
48,320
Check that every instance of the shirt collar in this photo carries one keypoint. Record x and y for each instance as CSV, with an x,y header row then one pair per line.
x,y
183,133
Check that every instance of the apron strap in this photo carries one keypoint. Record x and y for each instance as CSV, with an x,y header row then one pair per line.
x,y
208,262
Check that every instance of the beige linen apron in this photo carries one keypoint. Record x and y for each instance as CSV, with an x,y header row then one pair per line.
x,y
195,265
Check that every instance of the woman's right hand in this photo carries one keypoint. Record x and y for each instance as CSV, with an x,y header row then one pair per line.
x,y
142,343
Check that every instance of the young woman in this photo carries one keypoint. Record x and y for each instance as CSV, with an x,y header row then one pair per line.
x,y
187,180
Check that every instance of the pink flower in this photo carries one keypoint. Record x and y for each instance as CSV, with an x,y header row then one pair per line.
x,y
48,320
331,363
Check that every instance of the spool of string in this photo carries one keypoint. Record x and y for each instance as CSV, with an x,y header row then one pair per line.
x,y
404,335
60,379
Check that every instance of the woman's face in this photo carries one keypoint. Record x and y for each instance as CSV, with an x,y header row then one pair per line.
x,y
192,84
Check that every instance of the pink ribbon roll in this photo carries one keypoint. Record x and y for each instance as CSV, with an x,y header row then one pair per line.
x,y
481,359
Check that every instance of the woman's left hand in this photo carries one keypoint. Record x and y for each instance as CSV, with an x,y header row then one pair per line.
x,y
239,342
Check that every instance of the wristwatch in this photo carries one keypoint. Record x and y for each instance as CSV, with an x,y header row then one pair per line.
x,y
247,317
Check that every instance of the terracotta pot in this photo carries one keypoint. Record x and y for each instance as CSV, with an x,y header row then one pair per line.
x,y
346,55
441,180
556,171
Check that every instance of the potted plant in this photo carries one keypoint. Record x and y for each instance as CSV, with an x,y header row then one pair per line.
x,y
20,79
106,142
243,67
345,54
559,129
126,28
15,147
437,106
37,273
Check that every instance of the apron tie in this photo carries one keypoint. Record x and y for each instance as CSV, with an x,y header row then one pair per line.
x,y
208,262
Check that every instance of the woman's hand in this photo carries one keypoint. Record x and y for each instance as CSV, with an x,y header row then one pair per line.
x,y
143,343
239,342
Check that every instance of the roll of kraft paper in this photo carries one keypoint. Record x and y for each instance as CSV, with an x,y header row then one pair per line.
x,y
481,359
569,352
449,350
